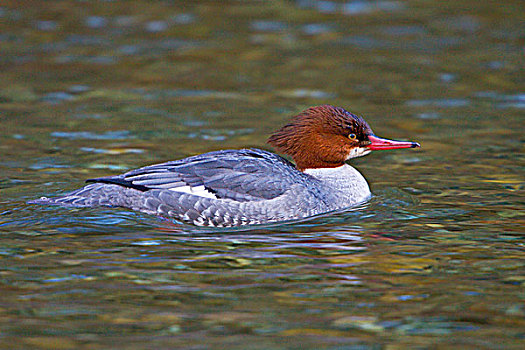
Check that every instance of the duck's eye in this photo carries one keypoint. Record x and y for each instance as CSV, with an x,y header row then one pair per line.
x,y
352,136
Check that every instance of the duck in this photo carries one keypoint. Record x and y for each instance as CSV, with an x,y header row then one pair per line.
x,y
251,186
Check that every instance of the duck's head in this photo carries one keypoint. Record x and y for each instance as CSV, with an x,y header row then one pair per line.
x,y
326,137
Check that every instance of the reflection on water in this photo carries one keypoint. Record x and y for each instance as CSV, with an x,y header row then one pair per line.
x,y
435,259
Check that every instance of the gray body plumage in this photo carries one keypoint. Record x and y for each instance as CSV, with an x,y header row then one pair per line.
x,y
225,188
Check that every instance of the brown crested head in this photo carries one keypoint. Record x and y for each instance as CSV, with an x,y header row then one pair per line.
x,y
323,137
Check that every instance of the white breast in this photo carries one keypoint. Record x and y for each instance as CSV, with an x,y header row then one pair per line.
x,y
346,182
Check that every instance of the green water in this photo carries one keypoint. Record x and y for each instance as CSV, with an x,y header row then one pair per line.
x,y
434,261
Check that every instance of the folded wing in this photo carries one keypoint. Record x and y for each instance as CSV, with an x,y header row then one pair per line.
x,y
240,175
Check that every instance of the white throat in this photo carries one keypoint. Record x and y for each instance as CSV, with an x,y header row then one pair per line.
x,y
358,152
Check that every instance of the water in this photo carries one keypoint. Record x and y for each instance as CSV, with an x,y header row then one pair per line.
x,y
434,260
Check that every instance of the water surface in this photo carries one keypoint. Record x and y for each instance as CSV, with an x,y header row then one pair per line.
x,y
433,261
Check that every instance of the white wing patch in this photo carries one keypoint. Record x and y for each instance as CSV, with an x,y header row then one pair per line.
x,y
200,191
166,180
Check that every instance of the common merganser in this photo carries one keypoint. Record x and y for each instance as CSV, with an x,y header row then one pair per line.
x,y
251,186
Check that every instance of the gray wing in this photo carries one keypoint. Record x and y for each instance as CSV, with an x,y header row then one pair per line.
x,y
240,175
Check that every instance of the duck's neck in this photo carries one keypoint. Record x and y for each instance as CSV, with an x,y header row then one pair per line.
x,y
345,181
